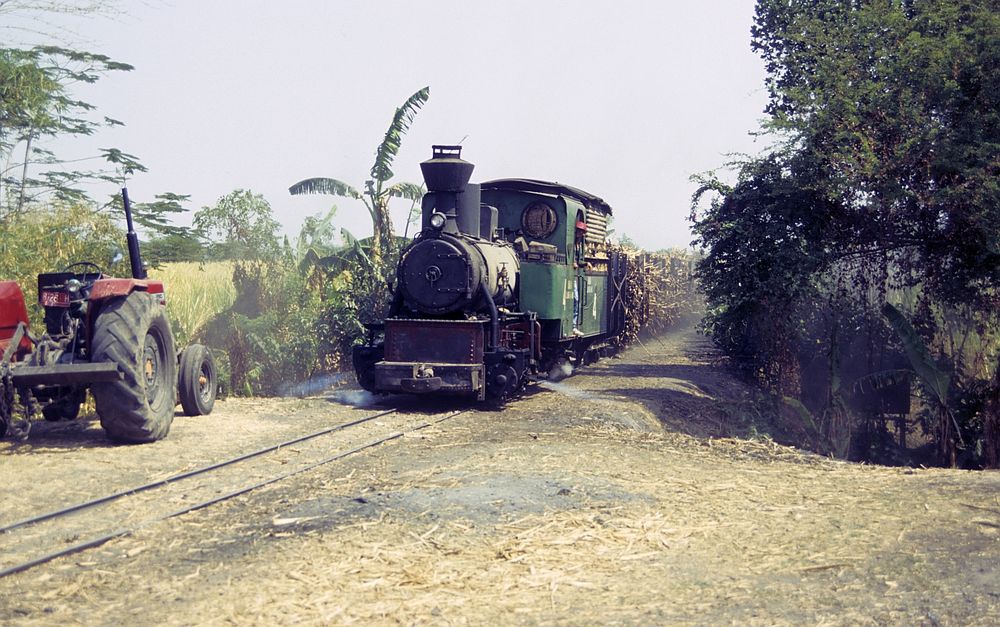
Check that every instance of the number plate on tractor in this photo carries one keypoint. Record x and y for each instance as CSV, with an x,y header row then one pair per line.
x,y
54,299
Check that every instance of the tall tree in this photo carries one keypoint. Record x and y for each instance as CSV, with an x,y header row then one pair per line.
x,y
36,104
242,225
887,179
377,190
900,101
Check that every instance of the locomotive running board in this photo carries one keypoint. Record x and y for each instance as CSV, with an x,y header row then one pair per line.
x,y
65,374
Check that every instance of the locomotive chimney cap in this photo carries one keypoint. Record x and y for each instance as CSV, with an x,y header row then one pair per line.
x,y
446,171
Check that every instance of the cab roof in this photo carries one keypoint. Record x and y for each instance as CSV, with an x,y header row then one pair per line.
x,y
548,187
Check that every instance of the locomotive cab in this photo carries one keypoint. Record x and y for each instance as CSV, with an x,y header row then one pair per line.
x,y
569,275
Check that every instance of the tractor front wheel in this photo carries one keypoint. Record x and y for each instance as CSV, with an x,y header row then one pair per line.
x,y
133,332
197,383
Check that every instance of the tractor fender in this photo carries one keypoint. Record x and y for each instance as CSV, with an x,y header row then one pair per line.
x,y
13,313
110,288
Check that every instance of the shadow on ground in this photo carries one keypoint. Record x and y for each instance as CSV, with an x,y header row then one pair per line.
x,y
84,432
681,378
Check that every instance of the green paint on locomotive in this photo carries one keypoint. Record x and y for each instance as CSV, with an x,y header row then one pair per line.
x,y
548,279
544,291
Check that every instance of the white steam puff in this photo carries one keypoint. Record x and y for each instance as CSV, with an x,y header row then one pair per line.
x,y
565,389
354,398
313,386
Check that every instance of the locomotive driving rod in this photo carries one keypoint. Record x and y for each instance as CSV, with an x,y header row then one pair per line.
x,y
65,374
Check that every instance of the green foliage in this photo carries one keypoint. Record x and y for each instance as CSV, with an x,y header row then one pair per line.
x,y
48,241
885,186
764,242
899,103
174,248
296,313
377,193
317,236
933,379
931,375
36,104
278,347
243,223
382,168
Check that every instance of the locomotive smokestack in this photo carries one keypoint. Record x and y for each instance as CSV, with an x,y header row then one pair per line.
x,y
446,175
446,171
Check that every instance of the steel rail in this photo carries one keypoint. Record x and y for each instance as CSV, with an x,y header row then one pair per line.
x,y
184,475
100,540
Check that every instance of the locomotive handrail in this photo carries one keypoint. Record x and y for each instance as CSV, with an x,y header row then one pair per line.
x,y
494,314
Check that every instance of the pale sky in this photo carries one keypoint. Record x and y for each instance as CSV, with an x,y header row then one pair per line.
x,y
625,99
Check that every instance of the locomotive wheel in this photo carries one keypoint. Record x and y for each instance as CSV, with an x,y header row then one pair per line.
x,y
66,408
503,382
197,383
366,378
133,332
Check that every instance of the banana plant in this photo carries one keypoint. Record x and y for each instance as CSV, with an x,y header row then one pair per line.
x,y
933,380
377,190
354,253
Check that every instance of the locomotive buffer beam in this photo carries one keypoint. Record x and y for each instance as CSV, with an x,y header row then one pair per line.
x,y
421,385
444,377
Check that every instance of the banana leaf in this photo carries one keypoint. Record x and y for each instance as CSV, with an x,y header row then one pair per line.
x,y
935,380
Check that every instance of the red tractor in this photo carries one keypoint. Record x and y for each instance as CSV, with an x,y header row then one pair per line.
x,y
108,334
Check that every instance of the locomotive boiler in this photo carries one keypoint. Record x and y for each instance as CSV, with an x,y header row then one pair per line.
x,y
505,279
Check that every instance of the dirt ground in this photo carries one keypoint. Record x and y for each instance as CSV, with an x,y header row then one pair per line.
x,y
616,496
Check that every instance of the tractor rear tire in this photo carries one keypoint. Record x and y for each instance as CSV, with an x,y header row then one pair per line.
x,y
197,383
133,332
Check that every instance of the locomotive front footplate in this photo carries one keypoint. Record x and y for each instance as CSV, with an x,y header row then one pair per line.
x,y
422,378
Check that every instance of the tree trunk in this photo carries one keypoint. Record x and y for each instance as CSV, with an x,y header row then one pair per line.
x,y
946,438
24,174
385,225
382,240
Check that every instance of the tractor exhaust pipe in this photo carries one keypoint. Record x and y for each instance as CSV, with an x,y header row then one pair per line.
x,y
134,259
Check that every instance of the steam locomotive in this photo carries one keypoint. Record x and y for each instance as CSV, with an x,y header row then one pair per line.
x,y
507,280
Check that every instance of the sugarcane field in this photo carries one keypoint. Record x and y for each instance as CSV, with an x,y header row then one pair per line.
x,y
715,343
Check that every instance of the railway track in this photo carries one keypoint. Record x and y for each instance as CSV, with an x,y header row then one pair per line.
x,y
46,536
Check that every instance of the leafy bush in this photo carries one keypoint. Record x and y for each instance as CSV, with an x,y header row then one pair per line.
x,y
41,241
295,314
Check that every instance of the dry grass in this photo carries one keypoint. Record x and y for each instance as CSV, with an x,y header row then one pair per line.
x,y
730,531
196,292
468,523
